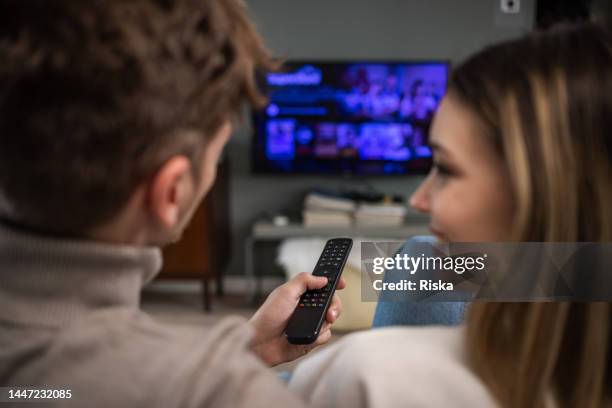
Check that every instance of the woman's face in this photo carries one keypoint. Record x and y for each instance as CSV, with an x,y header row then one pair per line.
x,y
467,193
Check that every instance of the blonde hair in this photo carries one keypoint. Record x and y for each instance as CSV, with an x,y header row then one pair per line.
x,y
546,102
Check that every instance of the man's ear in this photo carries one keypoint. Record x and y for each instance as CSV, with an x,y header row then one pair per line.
x,y
170,191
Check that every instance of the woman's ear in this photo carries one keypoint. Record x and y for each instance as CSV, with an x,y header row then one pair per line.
x,y
170,191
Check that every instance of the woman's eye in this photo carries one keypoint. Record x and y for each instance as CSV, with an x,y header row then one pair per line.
x,y
442,170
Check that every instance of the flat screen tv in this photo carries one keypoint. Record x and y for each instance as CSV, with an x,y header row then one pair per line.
x,y
360,118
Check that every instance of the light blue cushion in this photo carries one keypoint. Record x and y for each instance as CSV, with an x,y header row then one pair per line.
x,y
412,312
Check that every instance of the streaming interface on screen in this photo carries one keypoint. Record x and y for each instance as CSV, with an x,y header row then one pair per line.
x,y
359,118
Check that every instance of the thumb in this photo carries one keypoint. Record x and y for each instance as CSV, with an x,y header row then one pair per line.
x,y
306,281
316,282
303,282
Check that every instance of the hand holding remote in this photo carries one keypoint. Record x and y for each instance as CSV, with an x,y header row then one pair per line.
x,y
308,320
270,343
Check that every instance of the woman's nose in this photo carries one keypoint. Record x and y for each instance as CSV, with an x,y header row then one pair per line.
x,y
420,199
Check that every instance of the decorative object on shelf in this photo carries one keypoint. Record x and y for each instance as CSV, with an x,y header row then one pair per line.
x,y
326,209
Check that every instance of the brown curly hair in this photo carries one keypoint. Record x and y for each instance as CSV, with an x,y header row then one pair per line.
x,y
94,96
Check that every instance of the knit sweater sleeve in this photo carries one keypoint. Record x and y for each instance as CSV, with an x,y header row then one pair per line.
x,y
411,367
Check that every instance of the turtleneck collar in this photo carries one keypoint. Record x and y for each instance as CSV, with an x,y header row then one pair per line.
x,y
52,281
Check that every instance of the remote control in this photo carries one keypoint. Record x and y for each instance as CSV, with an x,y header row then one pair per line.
x,y
309,315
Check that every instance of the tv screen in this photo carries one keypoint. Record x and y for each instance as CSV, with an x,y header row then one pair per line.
x,y
362,118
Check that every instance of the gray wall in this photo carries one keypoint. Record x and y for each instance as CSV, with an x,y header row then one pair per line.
x,y
356,29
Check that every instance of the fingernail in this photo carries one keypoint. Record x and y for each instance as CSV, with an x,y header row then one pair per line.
x,y
334,313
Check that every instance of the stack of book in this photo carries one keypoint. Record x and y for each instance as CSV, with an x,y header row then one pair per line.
x,y
322,209
380,215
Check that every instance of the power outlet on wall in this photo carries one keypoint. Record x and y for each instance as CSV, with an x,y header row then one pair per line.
x,y
510,6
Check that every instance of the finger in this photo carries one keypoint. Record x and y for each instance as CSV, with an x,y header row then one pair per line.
x,y
304,281
325,326
335,309
324,337
341,284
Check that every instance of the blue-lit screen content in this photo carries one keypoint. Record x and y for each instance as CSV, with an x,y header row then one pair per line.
x,y
359,118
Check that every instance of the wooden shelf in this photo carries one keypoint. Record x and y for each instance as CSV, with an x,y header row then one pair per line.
x,y
262,230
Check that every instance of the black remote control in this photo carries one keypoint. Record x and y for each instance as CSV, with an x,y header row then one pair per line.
x,y
305,323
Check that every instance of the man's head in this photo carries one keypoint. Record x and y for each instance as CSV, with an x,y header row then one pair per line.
x,y
116,107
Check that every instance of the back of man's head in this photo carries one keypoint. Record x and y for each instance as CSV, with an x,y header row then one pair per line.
x,y
95,95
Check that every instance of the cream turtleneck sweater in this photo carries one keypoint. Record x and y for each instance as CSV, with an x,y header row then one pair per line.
x,y
70,318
